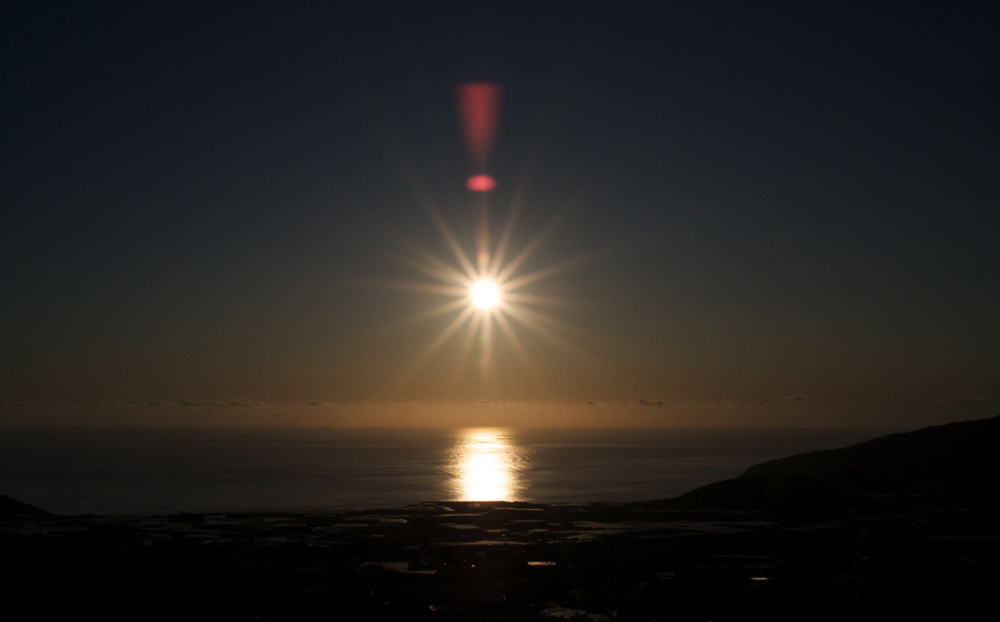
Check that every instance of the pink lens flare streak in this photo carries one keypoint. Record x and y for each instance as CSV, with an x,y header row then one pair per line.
x,y
479,111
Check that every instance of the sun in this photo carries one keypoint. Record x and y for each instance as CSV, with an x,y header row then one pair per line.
x,y
489,296
485,294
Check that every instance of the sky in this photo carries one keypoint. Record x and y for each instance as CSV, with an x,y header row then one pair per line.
x,y
762,214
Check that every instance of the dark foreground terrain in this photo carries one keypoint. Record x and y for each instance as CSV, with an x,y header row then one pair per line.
x,y
846,535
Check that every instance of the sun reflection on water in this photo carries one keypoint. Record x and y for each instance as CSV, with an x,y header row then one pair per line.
x,y
485,465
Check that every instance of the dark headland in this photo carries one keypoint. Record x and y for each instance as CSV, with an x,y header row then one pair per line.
x,y
903,526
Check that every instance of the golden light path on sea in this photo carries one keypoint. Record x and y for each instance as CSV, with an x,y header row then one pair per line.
x,y
485,465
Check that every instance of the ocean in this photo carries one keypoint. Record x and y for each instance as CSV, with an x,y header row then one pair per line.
x,y
170,470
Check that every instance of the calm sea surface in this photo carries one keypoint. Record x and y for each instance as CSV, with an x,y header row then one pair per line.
x,y
156,470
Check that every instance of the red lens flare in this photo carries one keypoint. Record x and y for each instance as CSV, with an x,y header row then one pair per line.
x,y
479,110
480,183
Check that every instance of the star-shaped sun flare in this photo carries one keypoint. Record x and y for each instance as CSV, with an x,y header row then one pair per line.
x,y
486,294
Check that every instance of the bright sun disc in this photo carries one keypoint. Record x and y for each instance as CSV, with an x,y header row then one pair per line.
x,y
485,294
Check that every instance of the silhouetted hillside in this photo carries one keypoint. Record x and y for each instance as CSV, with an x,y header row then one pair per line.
x,y
13,507
768,491
957,454
957,457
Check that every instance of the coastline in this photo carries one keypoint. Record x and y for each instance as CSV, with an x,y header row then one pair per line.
x,y
769,552
505,561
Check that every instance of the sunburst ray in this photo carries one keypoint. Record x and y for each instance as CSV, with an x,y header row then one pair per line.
x,y
429,314
499,270
426,262
528,250
522,352
436,345
424,288
548,272
552,336
539,299
466,348
526,314
452,241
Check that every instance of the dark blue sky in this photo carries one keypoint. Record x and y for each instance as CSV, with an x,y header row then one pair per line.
x,y
778,198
